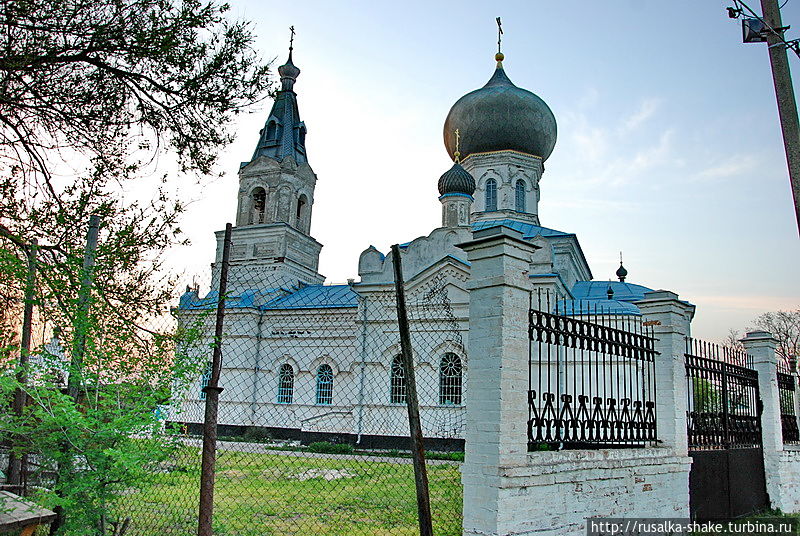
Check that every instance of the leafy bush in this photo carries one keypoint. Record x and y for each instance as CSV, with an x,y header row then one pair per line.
x,y
324,447
256,434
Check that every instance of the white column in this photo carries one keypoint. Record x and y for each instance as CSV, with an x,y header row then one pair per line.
x,y
496,395
761,346
670,319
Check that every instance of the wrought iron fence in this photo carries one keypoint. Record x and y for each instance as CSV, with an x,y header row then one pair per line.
x,y
592,382
787,383
724,408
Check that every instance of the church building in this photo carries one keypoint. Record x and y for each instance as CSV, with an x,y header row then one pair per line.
x,y
307,360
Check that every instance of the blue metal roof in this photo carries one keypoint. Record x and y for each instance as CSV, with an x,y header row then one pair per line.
x,y
596,307
317,297
308,297
528,230
598,290
247,298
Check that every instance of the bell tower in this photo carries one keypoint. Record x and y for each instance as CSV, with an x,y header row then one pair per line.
x,y
276,196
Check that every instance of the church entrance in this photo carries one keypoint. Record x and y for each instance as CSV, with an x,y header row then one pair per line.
x,y
724,430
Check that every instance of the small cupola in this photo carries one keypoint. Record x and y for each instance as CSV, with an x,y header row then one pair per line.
x,y
622,273
456,180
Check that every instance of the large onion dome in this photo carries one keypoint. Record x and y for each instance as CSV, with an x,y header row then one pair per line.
x,y
456,180
501,116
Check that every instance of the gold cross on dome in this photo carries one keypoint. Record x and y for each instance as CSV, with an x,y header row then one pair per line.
x,y
291,38
457,154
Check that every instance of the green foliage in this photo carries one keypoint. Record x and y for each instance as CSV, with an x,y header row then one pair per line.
x,y
325,447
108,441
256,434
706,397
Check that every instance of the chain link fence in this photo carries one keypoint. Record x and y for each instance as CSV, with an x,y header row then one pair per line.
x,y
313,433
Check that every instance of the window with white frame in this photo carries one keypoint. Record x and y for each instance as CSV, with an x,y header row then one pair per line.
x,y
285,384
491,195
397,381
520,196
324,385
450,380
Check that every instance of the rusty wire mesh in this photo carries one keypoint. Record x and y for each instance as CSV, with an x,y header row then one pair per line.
x,y
313,426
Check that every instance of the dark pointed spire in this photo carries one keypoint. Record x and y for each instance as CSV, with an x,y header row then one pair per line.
x,y
284,134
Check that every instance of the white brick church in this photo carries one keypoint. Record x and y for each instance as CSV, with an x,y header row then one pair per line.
x,y
303,359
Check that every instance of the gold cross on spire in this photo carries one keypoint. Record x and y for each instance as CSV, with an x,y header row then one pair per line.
x,y
457,154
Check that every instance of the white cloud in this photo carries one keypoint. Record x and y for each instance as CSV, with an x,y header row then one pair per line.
x,y
647,108
729,168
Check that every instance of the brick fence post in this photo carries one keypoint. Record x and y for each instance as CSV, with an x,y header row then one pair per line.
x,y
496,394
761,346
670,319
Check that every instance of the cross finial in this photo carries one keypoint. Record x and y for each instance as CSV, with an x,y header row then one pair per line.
x,y
291,37
499,34
620,257
457,154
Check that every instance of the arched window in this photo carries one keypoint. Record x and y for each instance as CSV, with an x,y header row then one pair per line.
x,y
302,201
303,136
491,195
324,385
450,381
259,204
271,130
205,378
285,384
520,196
397,380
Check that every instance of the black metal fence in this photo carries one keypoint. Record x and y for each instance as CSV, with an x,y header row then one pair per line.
x,y
724,409
592,382
787,384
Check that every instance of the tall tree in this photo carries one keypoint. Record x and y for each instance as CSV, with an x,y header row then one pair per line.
x,y
91,92
785,326
95,95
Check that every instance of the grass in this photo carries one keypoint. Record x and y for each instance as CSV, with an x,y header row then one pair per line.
x,y
260,494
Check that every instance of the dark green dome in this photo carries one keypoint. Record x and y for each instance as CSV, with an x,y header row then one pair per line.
x,y
456,180
501,116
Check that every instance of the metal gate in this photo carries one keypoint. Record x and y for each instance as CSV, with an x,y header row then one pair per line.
x,y
724,428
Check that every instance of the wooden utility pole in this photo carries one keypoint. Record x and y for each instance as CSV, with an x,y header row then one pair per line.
x,y
417,447
17,463
212,391
787,105
84,303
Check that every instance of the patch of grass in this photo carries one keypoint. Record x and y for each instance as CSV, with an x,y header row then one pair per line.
x,y
262,494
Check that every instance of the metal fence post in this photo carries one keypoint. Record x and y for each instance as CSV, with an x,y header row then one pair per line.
x,y
418,449
212,390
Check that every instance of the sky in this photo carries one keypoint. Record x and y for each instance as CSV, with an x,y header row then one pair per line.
x,y
669,146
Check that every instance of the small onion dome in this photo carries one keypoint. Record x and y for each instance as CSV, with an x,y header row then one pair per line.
x,y
501,116
622,273
456,180
289,73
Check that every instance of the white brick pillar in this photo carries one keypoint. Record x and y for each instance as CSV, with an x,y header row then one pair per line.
x,y
496,394
670,319
761,346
